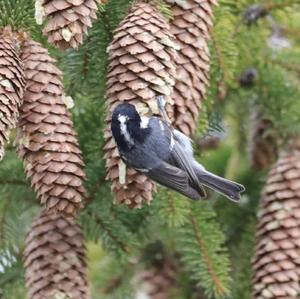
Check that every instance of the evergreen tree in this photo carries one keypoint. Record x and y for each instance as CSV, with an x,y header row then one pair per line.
x,y
130,242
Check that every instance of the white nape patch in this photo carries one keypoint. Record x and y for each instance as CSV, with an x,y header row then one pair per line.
x,y
122,119
144,122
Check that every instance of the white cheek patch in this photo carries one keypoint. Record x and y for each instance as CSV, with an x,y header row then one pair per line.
x,y
123,127
144,122
122,118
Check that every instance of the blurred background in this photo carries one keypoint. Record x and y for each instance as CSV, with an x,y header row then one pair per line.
x,y
248,130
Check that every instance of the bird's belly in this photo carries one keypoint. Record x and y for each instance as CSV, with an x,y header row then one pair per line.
x,y
141,160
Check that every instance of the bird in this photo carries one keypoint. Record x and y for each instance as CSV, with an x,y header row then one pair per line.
x,y
150,145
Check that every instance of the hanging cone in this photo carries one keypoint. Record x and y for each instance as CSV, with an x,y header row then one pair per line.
x,y
141,66
54,259
276,264
262,144
191,26
157,282
12,83
68,20
47,141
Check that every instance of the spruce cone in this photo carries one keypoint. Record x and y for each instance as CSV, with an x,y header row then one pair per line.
x,y
12,83
68,21
191,26
156,283
47,141
263,146
141,66
54,258
276,264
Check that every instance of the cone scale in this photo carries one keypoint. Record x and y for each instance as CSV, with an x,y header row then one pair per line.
x,y
191,25
276,265
68,21
47,141
54,259
141,67
12,84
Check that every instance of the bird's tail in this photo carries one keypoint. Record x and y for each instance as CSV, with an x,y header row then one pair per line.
x,y
226,187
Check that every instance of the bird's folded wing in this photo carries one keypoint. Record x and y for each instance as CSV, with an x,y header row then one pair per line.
x,y
183,161
174,178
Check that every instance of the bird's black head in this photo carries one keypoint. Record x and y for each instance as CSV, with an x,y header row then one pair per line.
x,y
128,111
127,126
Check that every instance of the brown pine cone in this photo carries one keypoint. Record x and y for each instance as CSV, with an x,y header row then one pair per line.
x,y
141,67
54,259
68,21
12,84
276,263
192,23
157,282
47,141
262,144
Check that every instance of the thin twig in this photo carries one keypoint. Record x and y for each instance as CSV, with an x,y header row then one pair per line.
x,y
222,89
105,21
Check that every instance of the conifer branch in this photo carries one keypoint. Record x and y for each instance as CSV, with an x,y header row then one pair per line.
x,y
272,6
201,243
222,89
86,59
172,209
95,189
117,280
202,247
13,182
124,247
2,221
105,21
287,66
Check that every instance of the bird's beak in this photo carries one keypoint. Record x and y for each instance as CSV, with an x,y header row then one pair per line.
x,y
161,102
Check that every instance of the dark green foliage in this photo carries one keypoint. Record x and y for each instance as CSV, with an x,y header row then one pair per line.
x,y
101,220
19,14
111,280
212,242
203,253
243,253
172,209
279,96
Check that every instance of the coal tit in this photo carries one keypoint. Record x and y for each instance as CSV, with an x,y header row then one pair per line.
x,y
164,154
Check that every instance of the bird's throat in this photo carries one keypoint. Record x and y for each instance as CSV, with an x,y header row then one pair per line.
x,y
125,133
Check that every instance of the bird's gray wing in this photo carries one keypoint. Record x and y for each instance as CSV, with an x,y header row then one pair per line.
x,y
185,142
174,178
184,161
